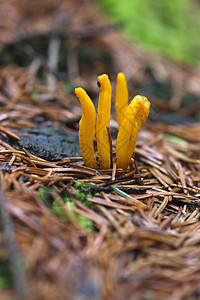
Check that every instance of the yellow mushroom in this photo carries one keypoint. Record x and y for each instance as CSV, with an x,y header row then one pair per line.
x,y
121,97
87,128
135,116
103,121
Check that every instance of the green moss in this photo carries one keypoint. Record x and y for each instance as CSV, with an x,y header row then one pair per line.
x,y
5,275
85,191
47,195
166,27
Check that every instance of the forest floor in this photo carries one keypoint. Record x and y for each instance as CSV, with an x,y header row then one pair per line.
x,y
71,232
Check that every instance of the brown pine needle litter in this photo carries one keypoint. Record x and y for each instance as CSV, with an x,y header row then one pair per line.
x,y
143,237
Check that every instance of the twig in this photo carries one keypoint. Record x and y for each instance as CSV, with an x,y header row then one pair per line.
x,y
18,275
63,33
53,56
9,133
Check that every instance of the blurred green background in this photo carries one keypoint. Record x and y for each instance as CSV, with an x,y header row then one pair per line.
x,y
168,28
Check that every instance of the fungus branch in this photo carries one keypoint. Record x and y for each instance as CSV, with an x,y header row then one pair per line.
x,y
135,116
103,121
121,97
87,128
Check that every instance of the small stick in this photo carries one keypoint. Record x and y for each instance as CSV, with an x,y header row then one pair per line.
x,y
114,171
18,274
53,55
9,133
137,172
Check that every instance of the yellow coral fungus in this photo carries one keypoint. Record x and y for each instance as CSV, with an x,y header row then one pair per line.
x,y
121,97
87,128
130,117
135,116
103,121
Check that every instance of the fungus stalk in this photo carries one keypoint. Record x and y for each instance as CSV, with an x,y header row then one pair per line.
x,y
135,116
103,121
121,97
87,128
